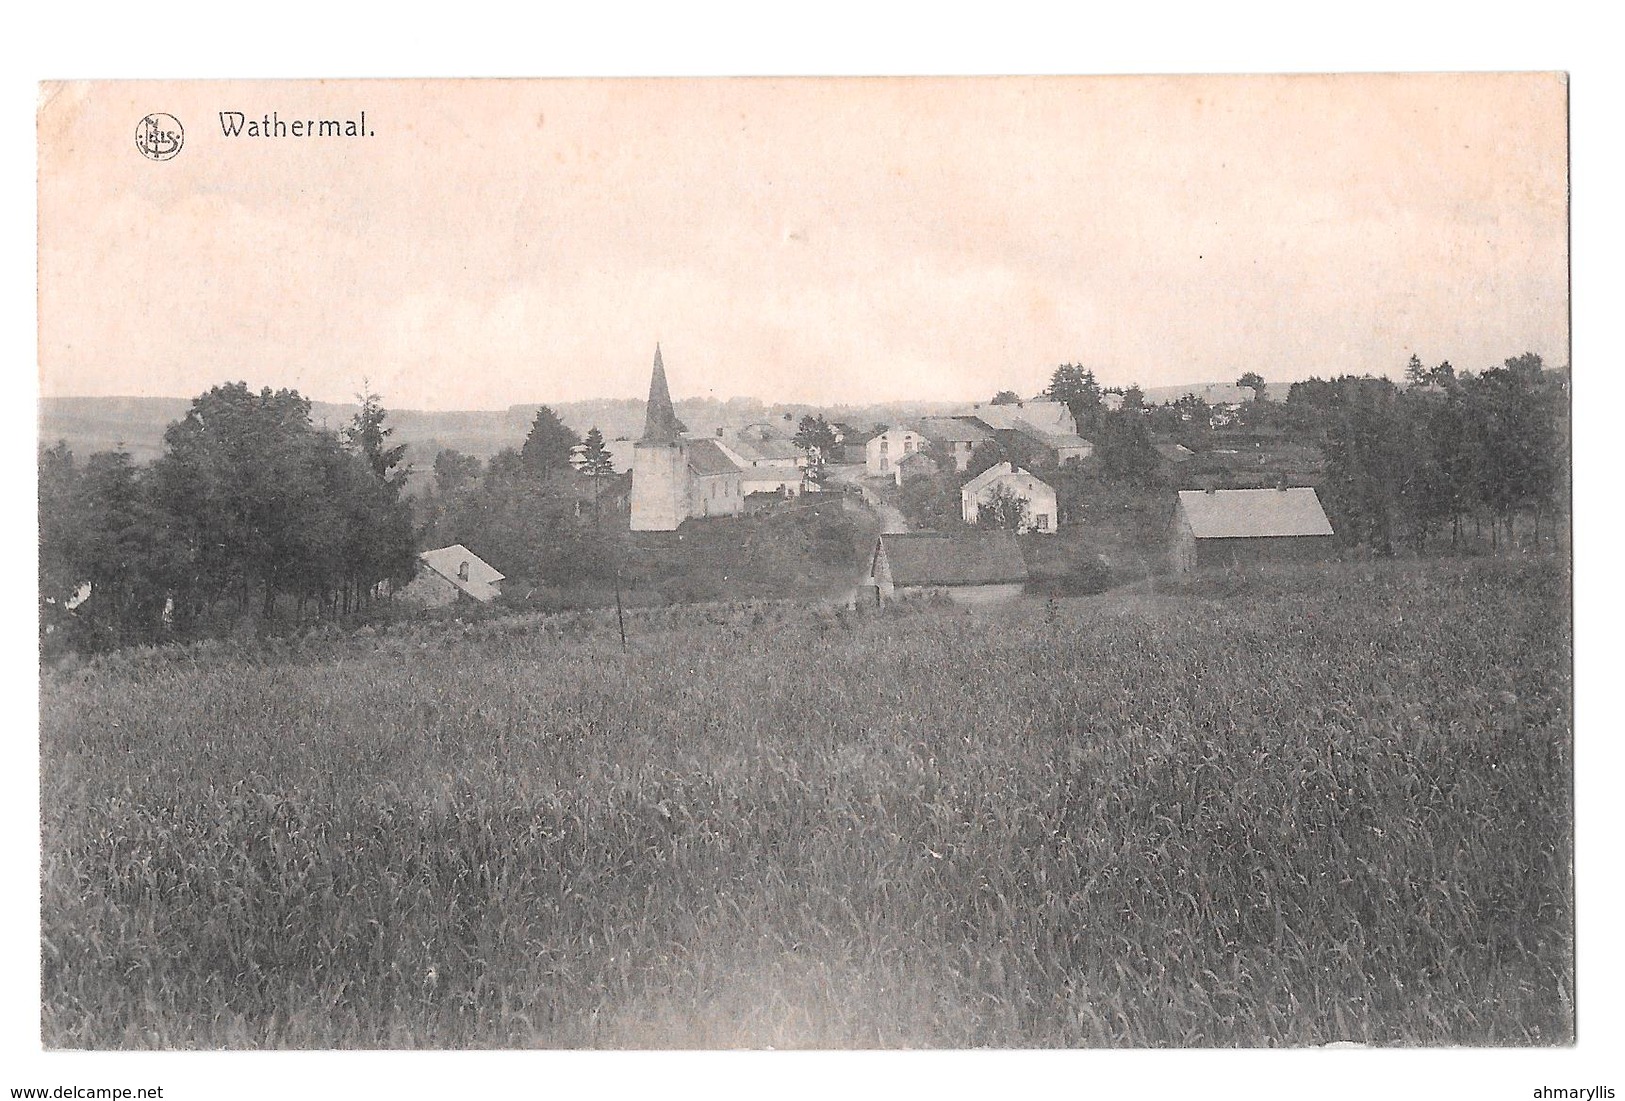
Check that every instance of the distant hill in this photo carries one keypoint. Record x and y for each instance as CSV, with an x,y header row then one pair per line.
x,y
137,424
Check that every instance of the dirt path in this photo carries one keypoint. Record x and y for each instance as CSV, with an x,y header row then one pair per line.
x,y
892,520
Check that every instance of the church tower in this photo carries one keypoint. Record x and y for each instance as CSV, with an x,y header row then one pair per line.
x,y
659,462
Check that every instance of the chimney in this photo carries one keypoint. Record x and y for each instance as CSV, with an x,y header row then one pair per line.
x,y
719,432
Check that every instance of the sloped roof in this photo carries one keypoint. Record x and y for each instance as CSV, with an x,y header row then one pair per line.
x,y
774,474
448,562
991,474
1052,439
1254,513
979,558
757,448
955,429
1174,452
1046,416
998,472
705,456
660,420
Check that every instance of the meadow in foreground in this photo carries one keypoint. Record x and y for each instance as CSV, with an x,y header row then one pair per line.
x,y
1317,804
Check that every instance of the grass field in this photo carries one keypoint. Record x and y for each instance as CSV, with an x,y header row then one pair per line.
x,y
1323,804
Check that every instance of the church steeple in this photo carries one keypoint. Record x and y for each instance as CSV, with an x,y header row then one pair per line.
x,y
660,424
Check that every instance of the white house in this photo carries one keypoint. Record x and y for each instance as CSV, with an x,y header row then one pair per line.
x,y
885,451
1037,497
450,573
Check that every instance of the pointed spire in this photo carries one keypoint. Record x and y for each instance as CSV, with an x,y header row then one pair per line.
x,y
660,424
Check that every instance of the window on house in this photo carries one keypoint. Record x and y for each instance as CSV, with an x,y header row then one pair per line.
x,y
908,447
462,572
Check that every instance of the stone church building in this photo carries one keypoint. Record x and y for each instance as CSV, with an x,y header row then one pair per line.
x,y
675,477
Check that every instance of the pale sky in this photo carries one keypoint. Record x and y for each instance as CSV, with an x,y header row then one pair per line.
x,y
821,241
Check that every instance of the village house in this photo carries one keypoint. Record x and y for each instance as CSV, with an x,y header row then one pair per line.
x,y
1059,448
450,574
886,450
1047,426
960,435
674,477
754,448
970,567
1047,416
1038,510
1223,527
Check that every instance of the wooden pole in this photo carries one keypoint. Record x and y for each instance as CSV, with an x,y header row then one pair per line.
x,y
620,618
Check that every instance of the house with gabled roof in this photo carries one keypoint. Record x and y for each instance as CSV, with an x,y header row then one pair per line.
x,y
981,567
1047,430
1044,415
884,451
450,574
1223,527
749,450
1037,497
960,435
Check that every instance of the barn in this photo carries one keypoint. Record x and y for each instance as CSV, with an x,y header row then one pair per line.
x,y
1224,527
971,568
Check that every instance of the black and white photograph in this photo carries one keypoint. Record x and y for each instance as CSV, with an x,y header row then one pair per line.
x,y
821,564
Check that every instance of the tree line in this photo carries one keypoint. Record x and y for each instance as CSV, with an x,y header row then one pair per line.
x,y
1405,464
250,510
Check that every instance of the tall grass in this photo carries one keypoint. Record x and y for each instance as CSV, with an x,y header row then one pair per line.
x,y
1312,805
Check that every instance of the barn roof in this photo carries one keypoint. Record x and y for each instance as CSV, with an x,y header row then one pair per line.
x,y
705,456
1253,513
448,563
1174,452
929,558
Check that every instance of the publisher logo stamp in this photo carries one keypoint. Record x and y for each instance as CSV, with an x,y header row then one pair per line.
x,y
159,136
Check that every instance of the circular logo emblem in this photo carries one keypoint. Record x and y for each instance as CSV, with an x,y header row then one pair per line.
x,y
159,136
